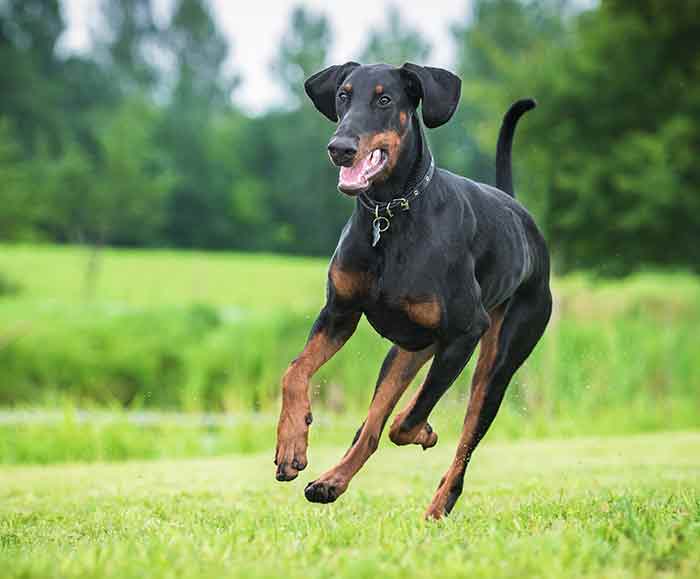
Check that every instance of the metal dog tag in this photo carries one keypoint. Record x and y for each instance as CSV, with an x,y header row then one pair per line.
x,y
379,226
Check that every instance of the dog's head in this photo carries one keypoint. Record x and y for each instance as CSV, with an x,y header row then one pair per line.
x,y
374,107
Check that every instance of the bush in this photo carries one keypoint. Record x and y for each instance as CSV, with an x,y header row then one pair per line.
x,y
609,346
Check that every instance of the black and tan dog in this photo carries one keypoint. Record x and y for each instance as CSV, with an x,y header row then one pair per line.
x,y
436,263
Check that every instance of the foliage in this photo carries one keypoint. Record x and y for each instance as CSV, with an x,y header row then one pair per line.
x,y
303,51
397,43
606,163
605,159
16,218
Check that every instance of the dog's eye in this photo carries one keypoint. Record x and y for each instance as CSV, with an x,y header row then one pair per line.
x,y
384,101
343,97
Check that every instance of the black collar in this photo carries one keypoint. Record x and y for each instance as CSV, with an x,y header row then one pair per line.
x,y
383,211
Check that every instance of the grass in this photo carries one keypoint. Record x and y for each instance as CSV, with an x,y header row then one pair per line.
x,y
621,507
144,278
38,436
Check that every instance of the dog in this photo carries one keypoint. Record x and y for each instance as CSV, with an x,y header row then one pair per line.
x,y
436,262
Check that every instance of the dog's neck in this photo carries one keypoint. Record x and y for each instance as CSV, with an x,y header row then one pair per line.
x,y
411,166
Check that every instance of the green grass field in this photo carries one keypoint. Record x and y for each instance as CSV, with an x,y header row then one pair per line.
x,y
87,491
147,278
619,507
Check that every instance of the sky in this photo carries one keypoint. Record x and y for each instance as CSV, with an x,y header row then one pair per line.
x,y
254,30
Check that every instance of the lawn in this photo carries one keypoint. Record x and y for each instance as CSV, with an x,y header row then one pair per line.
x,y
617,507
143,278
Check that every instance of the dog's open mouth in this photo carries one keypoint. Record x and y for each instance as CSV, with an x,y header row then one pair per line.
x,y
359,177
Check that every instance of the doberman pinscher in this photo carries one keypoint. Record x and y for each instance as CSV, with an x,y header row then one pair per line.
x,y
435,261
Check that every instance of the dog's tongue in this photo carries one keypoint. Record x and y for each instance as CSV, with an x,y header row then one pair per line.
x,y
355,177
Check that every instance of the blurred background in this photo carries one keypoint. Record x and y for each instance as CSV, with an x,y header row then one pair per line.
x,y
167,211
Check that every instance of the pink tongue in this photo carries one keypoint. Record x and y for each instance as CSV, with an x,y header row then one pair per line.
x,y
355,176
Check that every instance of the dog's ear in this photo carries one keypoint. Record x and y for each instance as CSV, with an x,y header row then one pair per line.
x,y
322,86
438,89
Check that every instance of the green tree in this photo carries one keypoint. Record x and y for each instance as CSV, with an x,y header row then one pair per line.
x,y
617,137
132,178
128,42
307,212
303,50
118,195
500,49
17,212
396,42
199,51
29,68
198,212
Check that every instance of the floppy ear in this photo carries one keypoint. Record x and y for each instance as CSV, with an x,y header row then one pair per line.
x,y
439,90
322,86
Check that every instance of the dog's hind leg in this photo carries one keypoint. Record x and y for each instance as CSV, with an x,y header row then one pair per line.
x,y
504,347
398,370
411,425
421,433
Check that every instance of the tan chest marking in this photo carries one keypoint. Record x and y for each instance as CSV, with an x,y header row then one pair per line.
x,y
426,313
349,284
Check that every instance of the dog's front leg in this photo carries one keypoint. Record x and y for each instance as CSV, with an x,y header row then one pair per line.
x,y
331,330
398,370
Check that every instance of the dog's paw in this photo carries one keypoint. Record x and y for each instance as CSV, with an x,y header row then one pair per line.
x,y
325,489
290,456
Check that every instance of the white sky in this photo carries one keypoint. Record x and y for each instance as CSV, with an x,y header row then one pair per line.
x,y
254,30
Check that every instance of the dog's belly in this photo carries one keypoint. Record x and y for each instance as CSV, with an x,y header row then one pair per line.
x,y
395,325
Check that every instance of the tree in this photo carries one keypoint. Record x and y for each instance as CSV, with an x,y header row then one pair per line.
x,y
198,207
199,51
118,195
128,43
307,213
619,129
32,27
29,68
132,178
17,214
303,51
396,43
503,40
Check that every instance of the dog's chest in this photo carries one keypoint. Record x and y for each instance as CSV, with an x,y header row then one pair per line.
x,y
400,305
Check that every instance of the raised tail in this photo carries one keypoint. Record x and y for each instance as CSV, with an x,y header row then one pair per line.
x,y
504,171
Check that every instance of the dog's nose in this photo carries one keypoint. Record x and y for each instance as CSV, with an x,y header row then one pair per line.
x,y
342,150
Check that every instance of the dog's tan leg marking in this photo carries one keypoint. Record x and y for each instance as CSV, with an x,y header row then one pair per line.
x,y
399,368
295,416
454,476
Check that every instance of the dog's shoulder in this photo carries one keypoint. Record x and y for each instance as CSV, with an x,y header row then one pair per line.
x,y
485,201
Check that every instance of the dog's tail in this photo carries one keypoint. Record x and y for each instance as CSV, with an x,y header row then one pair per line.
x,y
504,171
